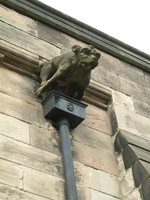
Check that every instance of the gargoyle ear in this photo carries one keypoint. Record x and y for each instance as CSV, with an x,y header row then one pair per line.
x,y
76,48
98,55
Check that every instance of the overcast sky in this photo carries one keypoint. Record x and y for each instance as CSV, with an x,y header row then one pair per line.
x,y
126,20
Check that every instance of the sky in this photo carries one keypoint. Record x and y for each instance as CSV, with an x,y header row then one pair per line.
x,y
125,20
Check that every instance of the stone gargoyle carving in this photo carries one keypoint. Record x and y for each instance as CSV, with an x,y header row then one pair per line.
x,y
69,72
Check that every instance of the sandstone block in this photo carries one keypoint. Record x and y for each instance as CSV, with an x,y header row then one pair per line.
x,y
86,176
122,170
147,78
17,85
122,68
134,196
83,193
97,119
109,184
43,184
93,138
95,195
26,155
21,39
97,159
127,183
147,94
14,128
132,122
122,100
106,77
47,140
130,72
133,89
19,21
10,174
10,193
22,110
52,36
142,108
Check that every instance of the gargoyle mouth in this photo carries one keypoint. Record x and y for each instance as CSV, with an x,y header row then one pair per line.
x,y
94,64
90,65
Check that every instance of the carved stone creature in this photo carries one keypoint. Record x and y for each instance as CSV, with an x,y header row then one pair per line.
x,y
69,72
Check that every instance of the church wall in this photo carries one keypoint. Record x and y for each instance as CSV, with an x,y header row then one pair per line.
x,y
31,161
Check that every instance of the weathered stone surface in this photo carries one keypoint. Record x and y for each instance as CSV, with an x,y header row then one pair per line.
x,y
28,42
10,193
19,21
22,110
26,155
97,159
17,85
122,68
43,184
86,176
122,170
52,36
142,108
10,174
122,100
135,195
44,139
133,89
97,119
93,138
132,122
14,128
106,77
127,183
147,94
19,49
147,78
109,184
83,193
95,195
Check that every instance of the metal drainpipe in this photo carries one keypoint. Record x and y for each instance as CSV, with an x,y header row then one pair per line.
x,y
65,112
71,191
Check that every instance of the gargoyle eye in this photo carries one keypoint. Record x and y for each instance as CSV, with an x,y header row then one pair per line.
x,y
86,51
97,55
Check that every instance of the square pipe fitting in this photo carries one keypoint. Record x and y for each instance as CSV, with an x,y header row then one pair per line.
x,y
57,105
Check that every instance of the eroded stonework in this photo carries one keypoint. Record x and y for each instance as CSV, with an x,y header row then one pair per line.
x,y
70,72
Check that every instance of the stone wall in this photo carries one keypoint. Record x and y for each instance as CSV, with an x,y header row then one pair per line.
x,y
31,163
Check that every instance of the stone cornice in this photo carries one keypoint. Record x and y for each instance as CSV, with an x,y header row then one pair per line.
x,y
80,31
22,63
19,59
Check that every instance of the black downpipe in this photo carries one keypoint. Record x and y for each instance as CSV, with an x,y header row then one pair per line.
x,y
66,113
71,191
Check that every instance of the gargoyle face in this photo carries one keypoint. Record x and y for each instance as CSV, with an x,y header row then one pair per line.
x,y
87,57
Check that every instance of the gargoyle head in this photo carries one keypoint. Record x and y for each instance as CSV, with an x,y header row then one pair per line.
x,y
86,57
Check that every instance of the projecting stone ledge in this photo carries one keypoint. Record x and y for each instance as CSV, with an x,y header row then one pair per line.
x,y
136,154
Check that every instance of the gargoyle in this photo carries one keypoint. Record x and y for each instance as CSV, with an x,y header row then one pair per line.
x,y
71,72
